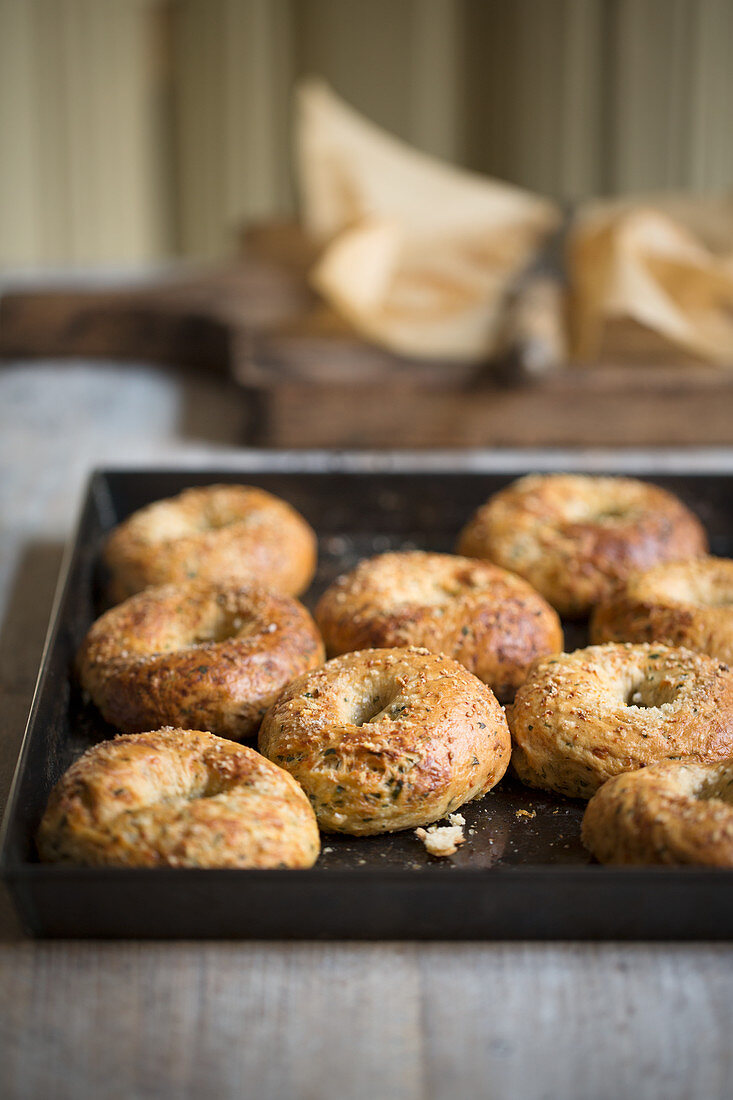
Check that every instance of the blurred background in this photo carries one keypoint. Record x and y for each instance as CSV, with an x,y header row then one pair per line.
x,y
146,146
137,130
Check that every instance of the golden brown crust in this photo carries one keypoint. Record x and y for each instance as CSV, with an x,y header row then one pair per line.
x,y
583,717
686,603
177,798
575,537
201,655
231,533
669,813
388,739
489,620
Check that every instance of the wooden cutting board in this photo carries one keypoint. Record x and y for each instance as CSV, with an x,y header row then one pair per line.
x,y
187,318
308,380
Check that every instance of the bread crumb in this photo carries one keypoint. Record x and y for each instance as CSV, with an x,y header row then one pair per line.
x,y
526,813
456,819
441,840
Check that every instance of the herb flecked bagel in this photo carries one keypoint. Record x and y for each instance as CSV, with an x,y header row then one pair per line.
x,y
575,537
687,603
221,532
583,717
213,656
387,739
669,813
486,618
181,798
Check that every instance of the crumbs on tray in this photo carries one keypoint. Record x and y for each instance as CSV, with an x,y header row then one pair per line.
x,y
443,840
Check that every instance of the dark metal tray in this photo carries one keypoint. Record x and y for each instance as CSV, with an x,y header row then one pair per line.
x,y
522,872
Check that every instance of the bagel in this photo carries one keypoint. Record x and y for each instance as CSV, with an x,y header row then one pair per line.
x,y
687,603
669,813
575,537
583,717
387,739
177,798
205,655
489,620
221,532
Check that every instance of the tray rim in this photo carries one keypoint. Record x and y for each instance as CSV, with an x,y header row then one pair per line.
x,y
639,462
643,461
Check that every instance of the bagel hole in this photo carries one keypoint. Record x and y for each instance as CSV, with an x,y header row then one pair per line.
x,y
222,626
168,523
648,694
381,703
610,513
368,709
422,592
215,518
611,516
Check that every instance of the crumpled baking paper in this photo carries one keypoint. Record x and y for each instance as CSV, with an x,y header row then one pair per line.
x,y
417,255
665,261
421,257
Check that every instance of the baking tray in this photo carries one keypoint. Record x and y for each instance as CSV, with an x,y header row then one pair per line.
x,y
522,872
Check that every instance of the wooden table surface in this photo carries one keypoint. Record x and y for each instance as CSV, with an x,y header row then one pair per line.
x,y
270,1020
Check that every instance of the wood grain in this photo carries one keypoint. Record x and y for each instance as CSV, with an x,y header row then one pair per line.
x,y
186,317
396,1021
614,406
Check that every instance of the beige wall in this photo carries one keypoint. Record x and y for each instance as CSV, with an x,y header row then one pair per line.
x,y
81,103
134,129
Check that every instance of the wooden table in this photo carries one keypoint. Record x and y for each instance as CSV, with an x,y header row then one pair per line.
x,y
267,1020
